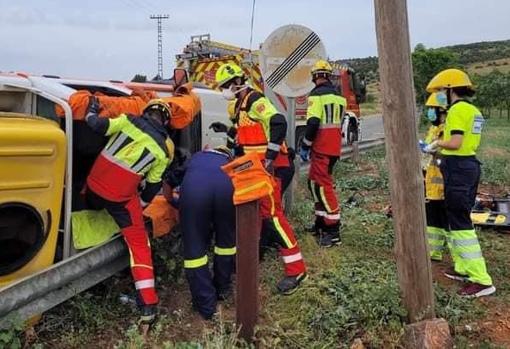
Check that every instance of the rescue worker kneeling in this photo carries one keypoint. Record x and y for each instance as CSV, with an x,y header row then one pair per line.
x,y
205,203
138,149
261,130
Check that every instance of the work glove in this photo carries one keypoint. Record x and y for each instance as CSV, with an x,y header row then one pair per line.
x,y
93,107
304,154
428,148
269,166
218,127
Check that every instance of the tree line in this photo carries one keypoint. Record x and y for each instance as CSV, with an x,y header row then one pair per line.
x,y
492,90
493,93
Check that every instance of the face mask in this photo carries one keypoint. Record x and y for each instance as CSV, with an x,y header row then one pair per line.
x,y
441,98
431,114
228,94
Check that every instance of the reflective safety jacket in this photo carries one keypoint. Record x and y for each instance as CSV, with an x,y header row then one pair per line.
x,y
464,119
324,116
135,151
434,184
261,129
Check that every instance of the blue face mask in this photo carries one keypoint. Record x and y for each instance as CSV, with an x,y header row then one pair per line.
x,y
441,98
431,114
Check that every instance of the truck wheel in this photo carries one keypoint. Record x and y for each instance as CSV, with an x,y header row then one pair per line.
x,y
300,134
352,132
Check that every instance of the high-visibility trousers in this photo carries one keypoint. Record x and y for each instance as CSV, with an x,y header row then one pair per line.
x,y
207,212
277,230
321,186
461,176
437,228
129,217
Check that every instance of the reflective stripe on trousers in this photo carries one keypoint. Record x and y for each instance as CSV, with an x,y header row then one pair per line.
x,y
276,229
468,256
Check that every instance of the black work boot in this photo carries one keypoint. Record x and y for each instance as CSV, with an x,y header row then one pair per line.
x,y
289,284
148,314
328,239
330,236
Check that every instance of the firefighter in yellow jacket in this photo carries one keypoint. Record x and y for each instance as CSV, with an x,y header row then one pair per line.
x,y
437,221
321,145
461,172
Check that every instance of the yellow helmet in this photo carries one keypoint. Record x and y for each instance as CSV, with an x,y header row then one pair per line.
x,y
436,100
227,72
322,67
159,105
449,78
231,109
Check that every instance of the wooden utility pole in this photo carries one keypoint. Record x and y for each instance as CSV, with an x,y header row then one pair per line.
x,y
247,268
406,182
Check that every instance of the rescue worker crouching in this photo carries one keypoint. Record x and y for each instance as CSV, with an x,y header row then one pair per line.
x,y
437,221
461,172
322,145
262,130
205,203
137,151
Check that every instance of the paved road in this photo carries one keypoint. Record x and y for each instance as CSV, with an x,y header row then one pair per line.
x,y
372,127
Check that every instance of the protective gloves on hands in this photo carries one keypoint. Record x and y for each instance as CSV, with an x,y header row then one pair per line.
x,y
304,154
93,107
218,127
428,148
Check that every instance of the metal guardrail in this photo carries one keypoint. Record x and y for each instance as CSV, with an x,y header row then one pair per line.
x,y
347,151
42,291
46,289
363,146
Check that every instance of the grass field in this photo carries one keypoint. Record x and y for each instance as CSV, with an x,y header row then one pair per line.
x,y
484,68
352,292
373,104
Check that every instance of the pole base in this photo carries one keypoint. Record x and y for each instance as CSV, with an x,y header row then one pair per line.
x,y
428,334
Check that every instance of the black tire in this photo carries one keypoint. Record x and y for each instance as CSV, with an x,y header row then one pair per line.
x,y
352,131
300,134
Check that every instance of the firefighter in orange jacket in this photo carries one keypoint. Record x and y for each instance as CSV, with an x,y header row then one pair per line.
x,y
261,129
321,144
138,149
284,171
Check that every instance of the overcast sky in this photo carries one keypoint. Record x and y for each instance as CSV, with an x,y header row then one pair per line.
x,y
114,39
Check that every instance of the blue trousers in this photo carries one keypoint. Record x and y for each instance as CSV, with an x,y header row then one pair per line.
x,y
206,213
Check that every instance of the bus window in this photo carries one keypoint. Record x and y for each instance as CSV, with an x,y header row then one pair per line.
x,y
46,109
15,102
